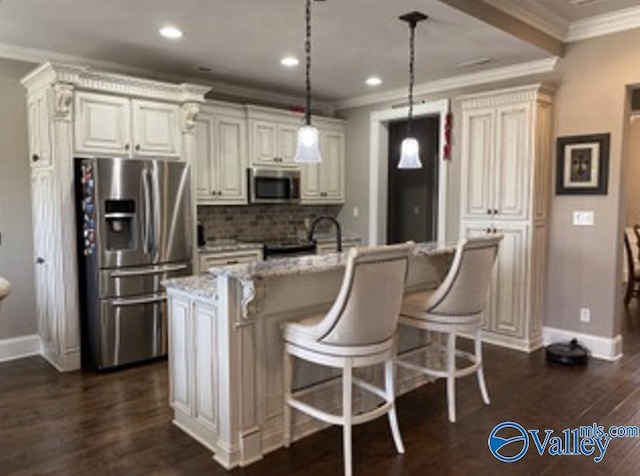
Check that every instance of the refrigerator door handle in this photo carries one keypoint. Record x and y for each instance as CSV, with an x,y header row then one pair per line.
x,y
138,301
146,271
146,219
155,205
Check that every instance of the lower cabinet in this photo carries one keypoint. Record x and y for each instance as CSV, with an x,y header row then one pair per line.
x,y
213,259
513,314
193,348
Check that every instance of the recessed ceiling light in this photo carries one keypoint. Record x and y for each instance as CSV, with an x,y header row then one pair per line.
x,y
171,32
289,61
373,81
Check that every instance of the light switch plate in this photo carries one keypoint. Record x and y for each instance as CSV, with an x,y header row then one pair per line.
x,y
583,218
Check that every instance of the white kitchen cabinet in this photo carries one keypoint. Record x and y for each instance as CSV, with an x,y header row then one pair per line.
x,y
324,182
496,145
221,156
75,111
39,127
44,258
225,258
273,143
116,125
505,176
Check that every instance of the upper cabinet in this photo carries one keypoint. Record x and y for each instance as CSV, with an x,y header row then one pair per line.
x,y
221,158
501,155
116,125
324,182
273,142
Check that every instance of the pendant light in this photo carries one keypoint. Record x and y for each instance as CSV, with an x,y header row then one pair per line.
x,y
410,149
308,150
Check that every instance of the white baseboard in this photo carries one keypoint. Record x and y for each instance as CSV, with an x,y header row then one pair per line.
x,y
19,347
605,348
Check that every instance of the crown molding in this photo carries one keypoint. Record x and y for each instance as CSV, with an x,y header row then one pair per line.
x,y
38,56
534,15
600,25
454,82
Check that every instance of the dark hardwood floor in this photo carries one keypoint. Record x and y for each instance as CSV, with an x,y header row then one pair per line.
x,y
119,423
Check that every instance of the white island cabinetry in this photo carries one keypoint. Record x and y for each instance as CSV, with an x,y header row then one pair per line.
x,y
225,353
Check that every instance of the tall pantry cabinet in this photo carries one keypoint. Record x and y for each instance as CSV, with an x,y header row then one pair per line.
x,y
505,188
74,111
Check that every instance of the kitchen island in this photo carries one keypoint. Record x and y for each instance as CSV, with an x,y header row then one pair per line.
x,y
225,348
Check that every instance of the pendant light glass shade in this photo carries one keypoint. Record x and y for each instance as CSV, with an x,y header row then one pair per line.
x,y
308,150
410,154
410,148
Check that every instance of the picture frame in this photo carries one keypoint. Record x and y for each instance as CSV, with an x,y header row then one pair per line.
x,y
582,165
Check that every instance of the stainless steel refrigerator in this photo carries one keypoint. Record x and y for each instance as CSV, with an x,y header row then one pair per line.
x,y
134,230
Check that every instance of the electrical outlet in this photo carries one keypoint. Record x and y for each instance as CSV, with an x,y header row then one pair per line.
x,y
356,212
585,314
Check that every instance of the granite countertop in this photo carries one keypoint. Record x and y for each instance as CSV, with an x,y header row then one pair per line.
x,y
309,264
203,285
221,246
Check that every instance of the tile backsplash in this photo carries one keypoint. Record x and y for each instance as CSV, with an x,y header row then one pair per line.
x,y
262,222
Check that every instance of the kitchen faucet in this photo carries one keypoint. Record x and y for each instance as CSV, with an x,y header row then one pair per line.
x,y
338,231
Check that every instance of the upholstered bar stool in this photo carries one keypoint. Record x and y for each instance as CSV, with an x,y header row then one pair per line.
x,y
455,306
358,331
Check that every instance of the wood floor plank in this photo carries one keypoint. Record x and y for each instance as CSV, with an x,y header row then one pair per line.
x,y
119,423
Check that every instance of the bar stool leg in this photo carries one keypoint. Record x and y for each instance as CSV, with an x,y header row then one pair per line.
x,y
347,411
451,378
393,418
481,382
287,378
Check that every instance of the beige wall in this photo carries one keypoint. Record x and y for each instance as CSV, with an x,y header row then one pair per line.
x,y
583,262
17,316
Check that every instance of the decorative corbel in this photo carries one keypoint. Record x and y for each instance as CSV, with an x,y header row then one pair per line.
x,y
190,113
63,99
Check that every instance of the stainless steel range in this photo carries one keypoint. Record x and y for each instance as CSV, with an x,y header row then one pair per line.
x,y
134,230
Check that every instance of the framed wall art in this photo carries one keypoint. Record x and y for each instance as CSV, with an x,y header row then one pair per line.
x,y
582,166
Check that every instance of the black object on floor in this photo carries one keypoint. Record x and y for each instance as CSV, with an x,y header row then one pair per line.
x,y
568,353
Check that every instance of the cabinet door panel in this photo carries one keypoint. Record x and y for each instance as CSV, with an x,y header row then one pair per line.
x,y
287,144
311,183
263,143
156,129
102,124
44,231
204,163
510,166
206,352
477,164
39,134
180,358
332,165
231,159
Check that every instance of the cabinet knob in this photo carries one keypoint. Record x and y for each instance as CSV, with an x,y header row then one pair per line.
x,y
35,157
232,261
219,192
40,260
488,230
489,211
213,192
495,211
127,147
137,146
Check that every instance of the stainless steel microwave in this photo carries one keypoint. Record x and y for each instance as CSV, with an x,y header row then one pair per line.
x,y
274,186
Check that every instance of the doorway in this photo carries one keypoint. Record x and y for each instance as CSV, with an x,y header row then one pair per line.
x,y
412,204
380,122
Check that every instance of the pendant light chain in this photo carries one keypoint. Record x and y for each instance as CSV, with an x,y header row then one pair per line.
x,y
308,64
412,57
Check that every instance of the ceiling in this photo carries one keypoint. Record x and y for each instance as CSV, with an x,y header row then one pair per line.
x,y
242,41
570,11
